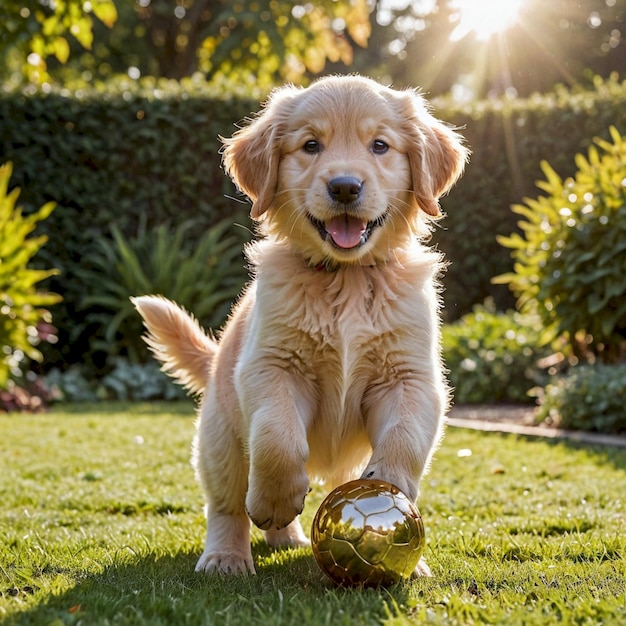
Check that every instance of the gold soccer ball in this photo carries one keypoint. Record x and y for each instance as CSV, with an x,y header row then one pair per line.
x,y
367,532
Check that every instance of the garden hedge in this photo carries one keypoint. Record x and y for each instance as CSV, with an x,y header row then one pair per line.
x,y
133,157
150,151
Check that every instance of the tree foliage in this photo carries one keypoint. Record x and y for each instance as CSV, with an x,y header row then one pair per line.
x,y
262,42
267,39
254,41
36,30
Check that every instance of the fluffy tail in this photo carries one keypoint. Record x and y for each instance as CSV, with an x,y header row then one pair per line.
x,y
177,341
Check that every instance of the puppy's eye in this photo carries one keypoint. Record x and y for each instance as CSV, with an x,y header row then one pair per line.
x,y
379,146
312,146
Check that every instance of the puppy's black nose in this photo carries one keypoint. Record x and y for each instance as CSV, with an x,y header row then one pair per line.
x,y
345,189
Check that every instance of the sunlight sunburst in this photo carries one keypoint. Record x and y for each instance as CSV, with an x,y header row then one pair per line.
x,y
484,18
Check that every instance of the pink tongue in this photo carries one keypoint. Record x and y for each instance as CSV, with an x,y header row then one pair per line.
x,y
346,231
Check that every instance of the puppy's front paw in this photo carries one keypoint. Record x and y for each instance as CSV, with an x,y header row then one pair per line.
x,y
274,505
405,484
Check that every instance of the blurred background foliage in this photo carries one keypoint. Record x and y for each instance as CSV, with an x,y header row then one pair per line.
x,y
24,318
112,109
441,45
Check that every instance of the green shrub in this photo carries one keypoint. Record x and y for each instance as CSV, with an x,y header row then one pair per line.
x,y
588,397
509,139
139,382
570,264
125,381
23,320
204,277
492,357
71,385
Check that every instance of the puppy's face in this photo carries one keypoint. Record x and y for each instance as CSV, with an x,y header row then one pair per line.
x,y
344,181
345,170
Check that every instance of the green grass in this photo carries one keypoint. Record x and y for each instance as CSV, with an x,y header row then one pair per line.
x,y
101,522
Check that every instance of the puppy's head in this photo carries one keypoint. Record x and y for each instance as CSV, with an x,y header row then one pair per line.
x,y
345,170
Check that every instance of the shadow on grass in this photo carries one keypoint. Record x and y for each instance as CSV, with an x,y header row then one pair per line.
x,y
288,589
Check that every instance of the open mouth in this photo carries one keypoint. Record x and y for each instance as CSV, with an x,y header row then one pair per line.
x,y
346,232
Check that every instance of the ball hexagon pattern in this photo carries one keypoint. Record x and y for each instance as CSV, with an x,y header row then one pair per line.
x,y
367,532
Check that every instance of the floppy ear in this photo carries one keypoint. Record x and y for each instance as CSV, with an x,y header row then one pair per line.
x,y
251,156
437,155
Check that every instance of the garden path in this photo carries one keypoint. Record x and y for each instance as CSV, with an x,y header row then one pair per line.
x,y
519,420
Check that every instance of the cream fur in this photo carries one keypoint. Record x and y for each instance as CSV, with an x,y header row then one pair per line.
x,y
332,371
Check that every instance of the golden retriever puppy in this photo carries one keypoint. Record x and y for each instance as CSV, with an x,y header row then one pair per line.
x,y
329,366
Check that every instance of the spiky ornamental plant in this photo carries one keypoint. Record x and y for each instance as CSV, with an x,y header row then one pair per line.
x,y
570,263
21,304
204,277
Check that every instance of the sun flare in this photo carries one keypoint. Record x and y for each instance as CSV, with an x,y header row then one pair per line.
x,y
484,18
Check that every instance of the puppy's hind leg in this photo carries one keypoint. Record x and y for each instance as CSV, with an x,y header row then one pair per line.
x,y
223,473
227,546
291,536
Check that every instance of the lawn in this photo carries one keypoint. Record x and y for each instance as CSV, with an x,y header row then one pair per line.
x,y
101,523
